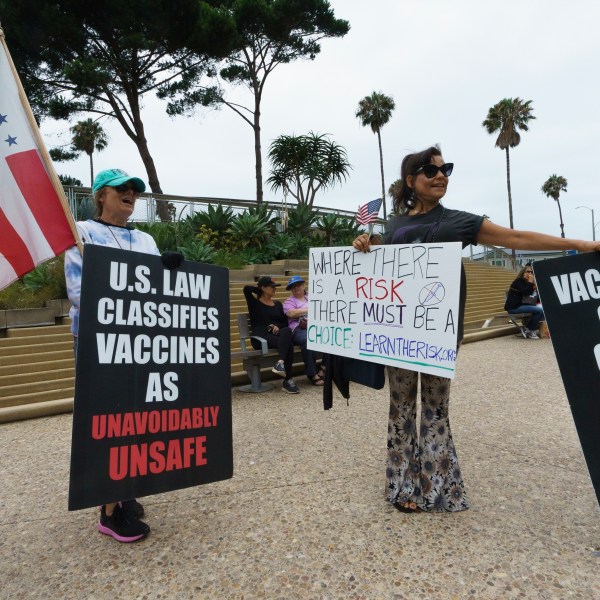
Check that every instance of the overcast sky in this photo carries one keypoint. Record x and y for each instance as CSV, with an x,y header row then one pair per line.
x,y
444,63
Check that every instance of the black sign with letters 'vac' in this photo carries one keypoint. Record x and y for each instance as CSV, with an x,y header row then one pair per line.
x,y
570,293
153,378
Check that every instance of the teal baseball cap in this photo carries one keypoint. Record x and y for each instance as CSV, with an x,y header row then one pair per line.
x,y
114,177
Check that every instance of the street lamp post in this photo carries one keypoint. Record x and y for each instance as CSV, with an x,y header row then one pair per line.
x,y
593,221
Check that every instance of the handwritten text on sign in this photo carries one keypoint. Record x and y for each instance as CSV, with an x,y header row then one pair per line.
x,y
396,305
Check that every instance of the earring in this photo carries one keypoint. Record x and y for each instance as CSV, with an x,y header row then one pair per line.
x,y
411,202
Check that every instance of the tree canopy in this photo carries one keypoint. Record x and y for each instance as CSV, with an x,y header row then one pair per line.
x,y
553,186
305,164
267,33
506,118
375,111
103,57
88,137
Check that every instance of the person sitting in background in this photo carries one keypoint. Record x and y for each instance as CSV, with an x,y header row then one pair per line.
x,y
522,297
269,322
296,310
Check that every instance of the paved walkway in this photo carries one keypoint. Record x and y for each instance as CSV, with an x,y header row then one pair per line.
x,y
304,515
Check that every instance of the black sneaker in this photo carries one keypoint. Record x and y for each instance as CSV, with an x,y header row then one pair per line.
x,y
132,507
122,526
290,387
279,368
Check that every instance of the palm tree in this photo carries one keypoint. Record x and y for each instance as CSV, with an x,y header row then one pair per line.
x,y
88,136
554,185
507,117
376,110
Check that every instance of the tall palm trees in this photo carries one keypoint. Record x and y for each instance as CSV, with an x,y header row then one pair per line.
x,y
507,117
553,186
88,136
376,110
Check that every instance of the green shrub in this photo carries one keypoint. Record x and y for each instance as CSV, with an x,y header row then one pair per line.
x,y
218,219
250,229
231,260
198,251
46,282
164,234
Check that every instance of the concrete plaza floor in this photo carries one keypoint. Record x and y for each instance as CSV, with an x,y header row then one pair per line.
x,y
304,515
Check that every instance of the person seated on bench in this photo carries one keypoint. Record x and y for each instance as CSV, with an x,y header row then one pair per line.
x,y
522,297
268,321
296,309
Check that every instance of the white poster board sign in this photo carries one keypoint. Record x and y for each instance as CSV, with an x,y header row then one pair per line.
x,y
396,305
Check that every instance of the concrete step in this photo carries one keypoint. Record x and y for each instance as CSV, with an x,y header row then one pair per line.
x,y
33,387
34,410
33,397
36,367
13,342
35,376
31,348
37,331
37,357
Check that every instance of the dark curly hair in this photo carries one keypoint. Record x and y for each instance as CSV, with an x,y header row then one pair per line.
x,y
403,200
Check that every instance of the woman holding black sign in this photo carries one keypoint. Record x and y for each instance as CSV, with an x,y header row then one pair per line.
x,y
115,194
522,297
423,473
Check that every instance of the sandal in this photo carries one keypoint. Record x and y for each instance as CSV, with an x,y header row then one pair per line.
x,y
321,373
316,380
407,507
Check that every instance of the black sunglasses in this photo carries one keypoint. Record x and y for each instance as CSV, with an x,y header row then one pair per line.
x,y
430,171
125,187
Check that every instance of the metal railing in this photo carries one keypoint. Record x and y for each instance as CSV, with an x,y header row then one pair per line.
x,y
185,206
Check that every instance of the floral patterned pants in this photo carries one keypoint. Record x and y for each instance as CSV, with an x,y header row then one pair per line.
x,y
422,467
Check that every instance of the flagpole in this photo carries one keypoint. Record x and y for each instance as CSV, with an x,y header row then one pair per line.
x,y
56,184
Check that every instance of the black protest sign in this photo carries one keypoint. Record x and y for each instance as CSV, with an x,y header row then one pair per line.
x,y
570,292
153,382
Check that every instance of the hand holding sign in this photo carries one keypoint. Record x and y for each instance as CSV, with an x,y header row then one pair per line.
x,y
396,305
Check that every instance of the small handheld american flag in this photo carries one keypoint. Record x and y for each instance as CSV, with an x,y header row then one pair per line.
x,y
367,213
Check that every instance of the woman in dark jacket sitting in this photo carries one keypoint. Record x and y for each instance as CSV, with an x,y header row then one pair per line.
x,y
524,287
269,322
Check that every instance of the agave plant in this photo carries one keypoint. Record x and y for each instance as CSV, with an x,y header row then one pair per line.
x,y
198,251
253,256
217,218
301,220
280,246
329,224
264,212
48,276
164,234
300,245
250,229
349,229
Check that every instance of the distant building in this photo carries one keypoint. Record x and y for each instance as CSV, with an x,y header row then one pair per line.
x,y
502,257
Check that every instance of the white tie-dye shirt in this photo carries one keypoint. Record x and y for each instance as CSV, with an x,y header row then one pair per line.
x,y
92,232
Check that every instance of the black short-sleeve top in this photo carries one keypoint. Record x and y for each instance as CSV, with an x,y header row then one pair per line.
x,y
438,225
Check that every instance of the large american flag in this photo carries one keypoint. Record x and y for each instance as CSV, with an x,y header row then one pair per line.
x,y
367,213
33,223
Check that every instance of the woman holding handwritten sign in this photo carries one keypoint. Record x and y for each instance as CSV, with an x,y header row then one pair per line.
x,y
423,473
